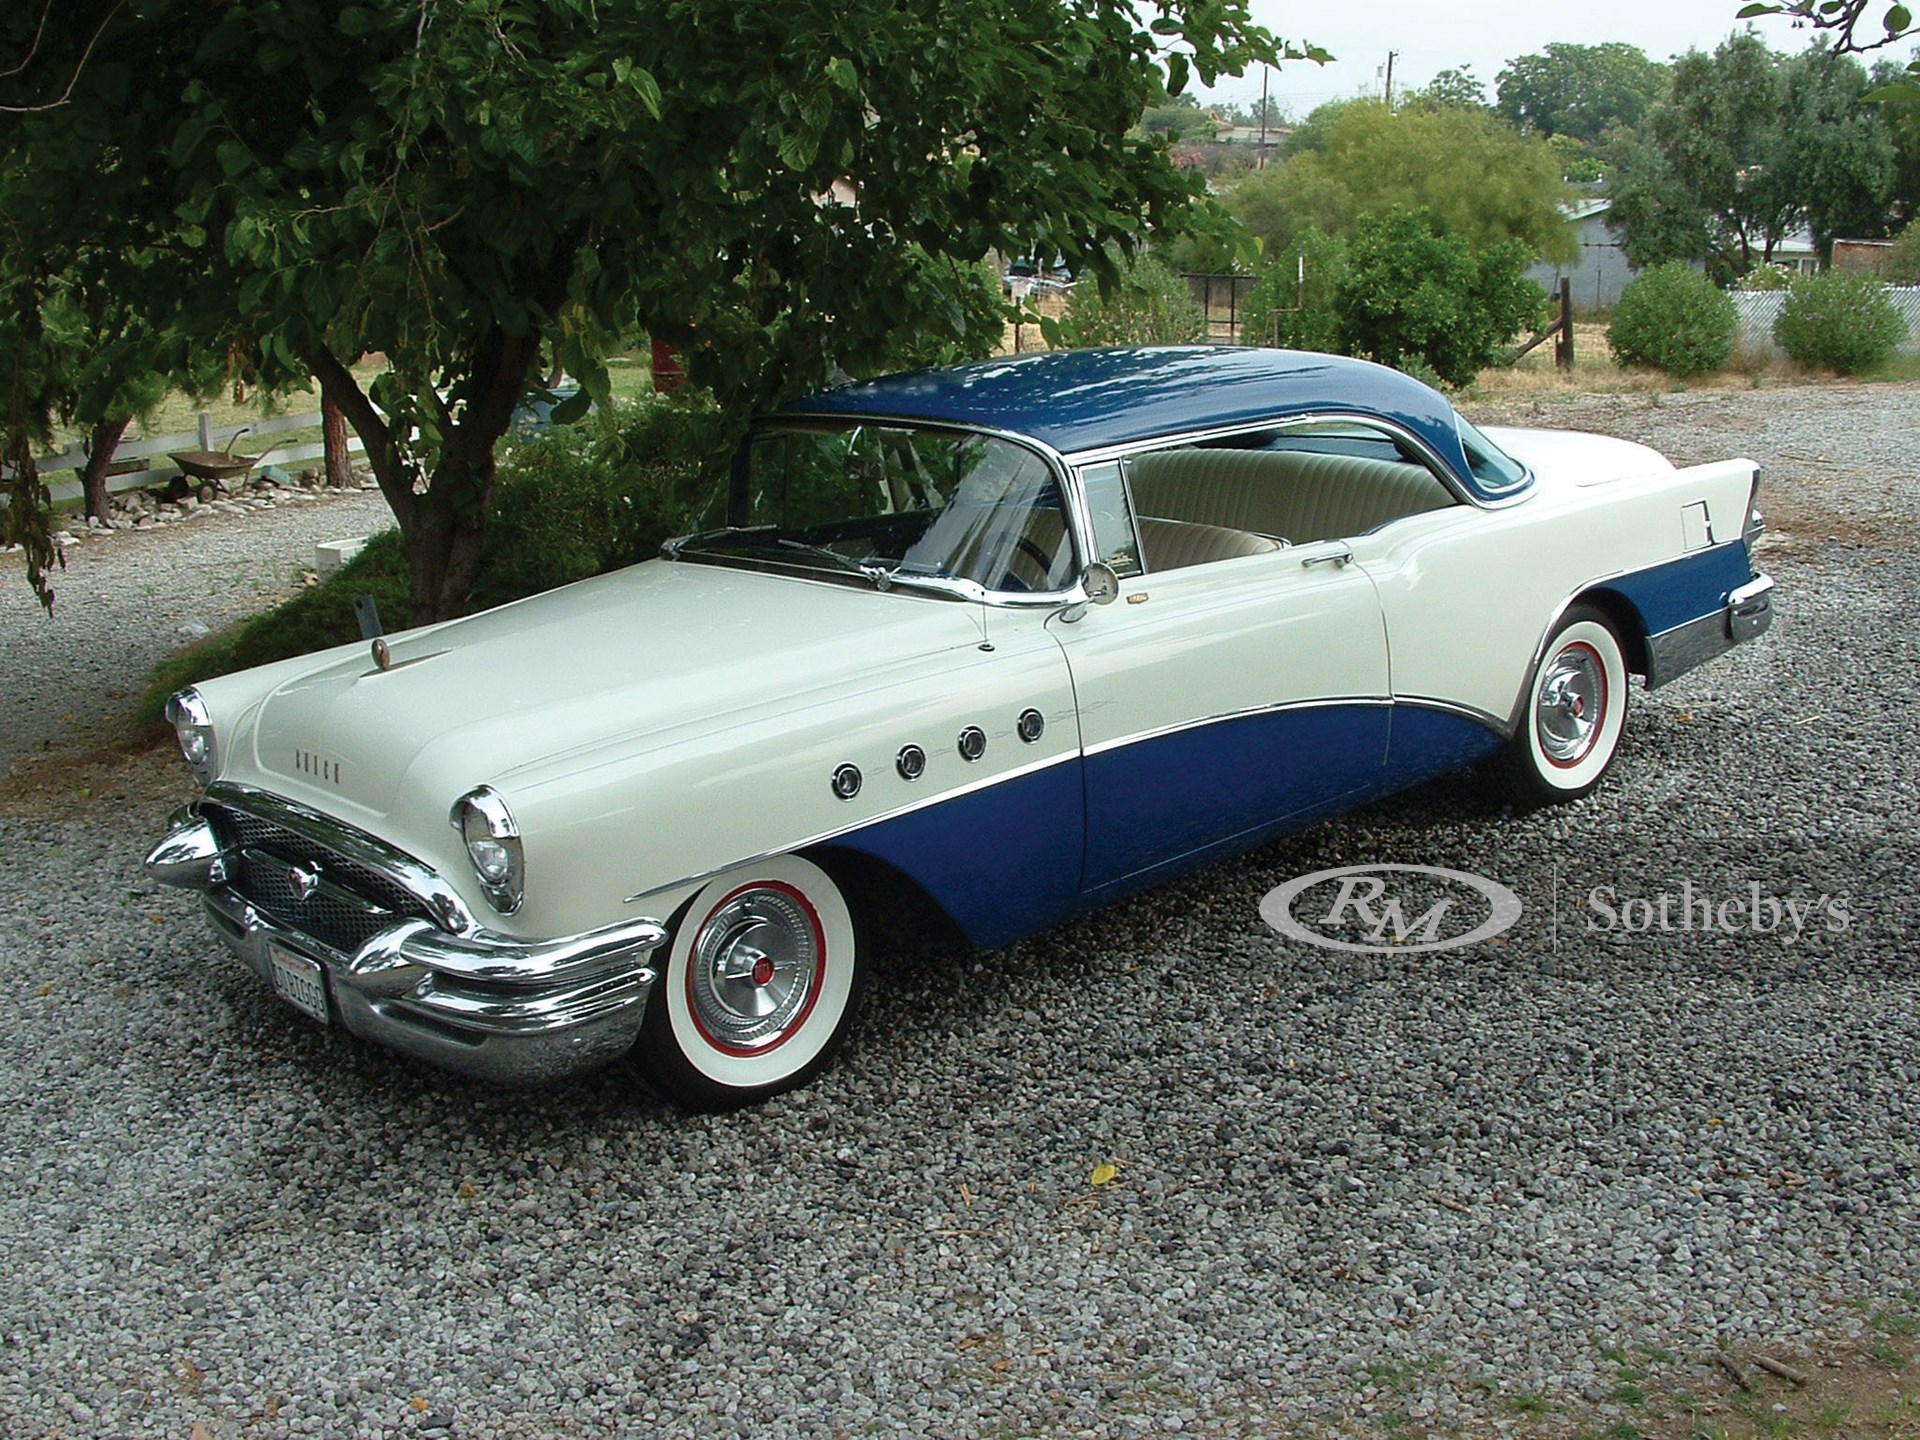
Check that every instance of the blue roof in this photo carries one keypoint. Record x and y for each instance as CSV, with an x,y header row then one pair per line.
x,y
1076,400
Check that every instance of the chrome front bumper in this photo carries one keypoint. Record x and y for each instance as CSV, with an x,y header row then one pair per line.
x,y
1747,613
482,1004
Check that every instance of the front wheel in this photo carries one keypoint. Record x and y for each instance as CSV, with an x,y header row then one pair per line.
x,y
1576,709
757,990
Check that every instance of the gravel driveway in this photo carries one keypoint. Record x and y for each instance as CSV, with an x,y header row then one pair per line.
x,y
1350,1190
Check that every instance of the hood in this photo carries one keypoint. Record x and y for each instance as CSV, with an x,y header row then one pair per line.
x,y
609,662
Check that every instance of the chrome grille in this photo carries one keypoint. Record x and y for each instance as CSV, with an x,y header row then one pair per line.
x,y
352,903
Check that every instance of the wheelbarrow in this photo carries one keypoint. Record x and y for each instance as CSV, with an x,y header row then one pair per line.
x,y
217,466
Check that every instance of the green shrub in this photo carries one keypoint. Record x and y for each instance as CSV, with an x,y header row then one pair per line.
x,y
1838,320
1675,319
1292,304
1412,294
1151,305
574,501
579,500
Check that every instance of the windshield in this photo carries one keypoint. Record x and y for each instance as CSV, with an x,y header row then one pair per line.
x,y
893,502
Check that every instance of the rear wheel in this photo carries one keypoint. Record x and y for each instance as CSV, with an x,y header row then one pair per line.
x,y
1576,709
757,989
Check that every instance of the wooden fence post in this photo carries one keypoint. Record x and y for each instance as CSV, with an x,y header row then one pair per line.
x,y
1563,339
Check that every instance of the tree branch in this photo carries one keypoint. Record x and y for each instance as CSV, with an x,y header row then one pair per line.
x,y
33,49
74,79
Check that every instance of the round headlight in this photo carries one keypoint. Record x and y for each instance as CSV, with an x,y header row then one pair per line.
x,y
493,846
193,727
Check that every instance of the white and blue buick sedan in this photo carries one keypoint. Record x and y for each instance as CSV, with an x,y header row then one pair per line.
x,y
1013,639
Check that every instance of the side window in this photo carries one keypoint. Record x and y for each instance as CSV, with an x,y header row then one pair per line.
x,y
1290,485
1114,540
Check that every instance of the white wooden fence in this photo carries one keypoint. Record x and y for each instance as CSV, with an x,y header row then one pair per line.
x,y
1758,309
208,437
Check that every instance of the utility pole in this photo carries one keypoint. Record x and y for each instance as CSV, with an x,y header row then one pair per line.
x,y
1264,72
1390,56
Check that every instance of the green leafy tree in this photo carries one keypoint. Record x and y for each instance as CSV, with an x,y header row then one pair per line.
x,y
1580,162
1857,26
1707,183
1901,264
1836,152
1180,117
1411,291
1458,89
1747,145
1476,176
469,184
1899,111
1580,90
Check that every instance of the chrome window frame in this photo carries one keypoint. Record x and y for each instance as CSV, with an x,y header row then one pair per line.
x,y
1442,471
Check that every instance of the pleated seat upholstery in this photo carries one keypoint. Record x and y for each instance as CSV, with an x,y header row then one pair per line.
x,y
1174,544
1288,494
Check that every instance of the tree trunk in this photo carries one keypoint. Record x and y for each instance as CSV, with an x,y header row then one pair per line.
x,y
333,435
443,524
93,480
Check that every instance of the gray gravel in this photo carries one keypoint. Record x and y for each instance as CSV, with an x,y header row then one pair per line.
x,y
1350,1188
127,598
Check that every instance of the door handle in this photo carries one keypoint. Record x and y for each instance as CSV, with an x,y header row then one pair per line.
x,y
1336,558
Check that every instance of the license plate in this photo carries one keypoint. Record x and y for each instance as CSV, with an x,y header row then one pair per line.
x,y
299,981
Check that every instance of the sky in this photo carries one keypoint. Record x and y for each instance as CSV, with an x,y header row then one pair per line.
x,y
1480,34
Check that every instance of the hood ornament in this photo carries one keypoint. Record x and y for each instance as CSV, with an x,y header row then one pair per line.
x,y
382,654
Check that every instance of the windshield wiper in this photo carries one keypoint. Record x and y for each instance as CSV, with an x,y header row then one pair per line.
x,y
832,557
760,538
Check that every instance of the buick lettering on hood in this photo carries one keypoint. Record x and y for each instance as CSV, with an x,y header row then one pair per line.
x,y
1011,639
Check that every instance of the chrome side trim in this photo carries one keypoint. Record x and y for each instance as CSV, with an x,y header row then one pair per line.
x,y
1672,653
440,898
825,837
1454,707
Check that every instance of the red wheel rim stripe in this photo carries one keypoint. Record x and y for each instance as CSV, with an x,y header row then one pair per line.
x,y
813,993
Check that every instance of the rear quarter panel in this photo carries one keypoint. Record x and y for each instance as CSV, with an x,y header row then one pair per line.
x,y
1471,595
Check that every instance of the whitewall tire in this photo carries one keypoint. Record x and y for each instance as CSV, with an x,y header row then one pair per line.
x,y
757,988
1576,709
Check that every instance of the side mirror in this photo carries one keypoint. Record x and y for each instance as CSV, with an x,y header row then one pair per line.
x,y
1102,583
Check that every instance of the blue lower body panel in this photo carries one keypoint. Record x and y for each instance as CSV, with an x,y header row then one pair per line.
x,y
1161,800
1003,862
1016,857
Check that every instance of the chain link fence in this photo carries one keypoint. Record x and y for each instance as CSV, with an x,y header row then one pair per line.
x,y
1758,309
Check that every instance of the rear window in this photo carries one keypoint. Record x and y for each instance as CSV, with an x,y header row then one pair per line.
x,y
1492,467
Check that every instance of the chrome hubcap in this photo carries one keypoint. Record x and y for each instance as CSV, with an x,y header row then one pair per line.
x,y
1572,704
752,972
